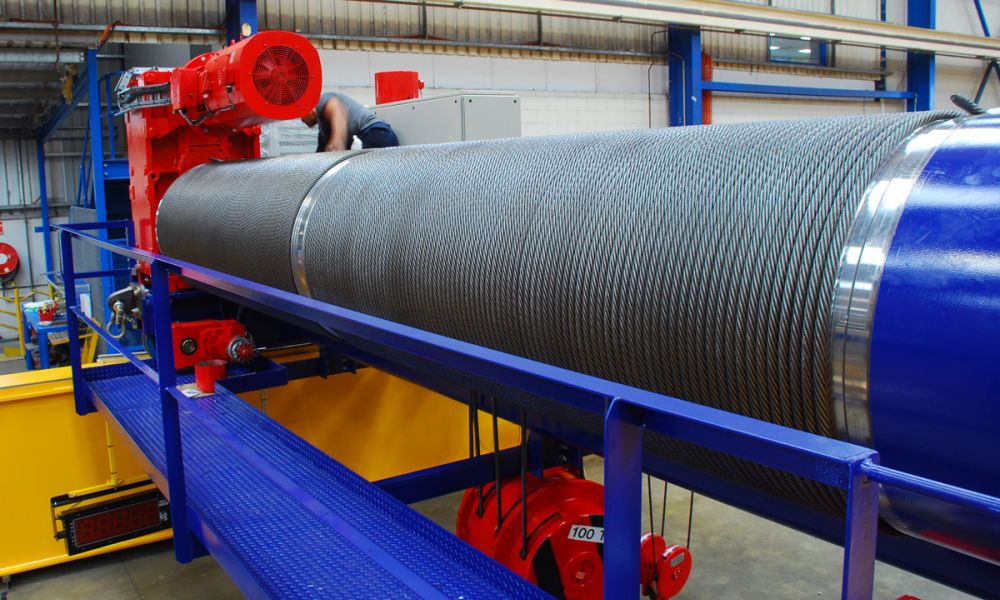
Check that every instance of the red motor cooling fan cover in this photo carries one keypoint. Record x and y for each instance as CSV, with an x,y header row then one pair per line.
x,y
270,76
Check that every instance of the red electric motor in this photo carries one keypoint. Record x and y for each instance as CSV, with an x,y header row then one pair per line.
x,y
565,547
270,76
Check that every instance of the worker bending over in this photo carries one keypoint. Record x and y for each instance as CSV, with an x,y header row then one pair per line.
x,y
341,118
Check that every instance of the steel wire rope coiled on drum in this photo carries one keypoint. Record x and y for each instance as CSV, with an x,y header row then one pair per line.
x,y
699,262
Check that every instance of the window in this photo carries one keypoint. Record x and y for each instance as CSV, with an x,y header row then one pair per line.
x,y
803,50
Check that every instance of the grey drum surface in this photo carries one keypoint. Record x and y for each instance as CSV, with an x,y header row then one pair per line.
x,y
698,262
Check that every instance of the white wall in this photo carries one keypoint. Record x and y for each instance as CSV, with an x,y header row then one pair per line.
x,y
558,96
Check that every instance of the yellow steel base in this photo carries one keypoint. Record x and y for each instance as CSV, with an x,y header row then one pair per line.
x,y
378,425
46,450
375,424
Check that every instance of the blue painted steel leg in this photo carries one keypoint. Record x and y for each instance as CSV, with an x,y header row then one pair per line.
x,y
622,501
81,397
184,542
920,66
860,535
685,76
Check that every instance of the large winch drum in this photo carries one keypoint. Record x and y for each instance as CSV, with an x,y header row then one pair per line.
x,y
839,276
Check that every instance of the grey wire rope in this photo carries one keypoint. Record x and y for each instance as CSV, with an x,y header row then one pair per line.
x,y
698,262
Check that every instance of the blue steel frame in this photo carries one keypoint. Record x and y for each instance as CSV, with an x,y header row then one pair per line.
x,y
684,72
629,412
95,168
786,90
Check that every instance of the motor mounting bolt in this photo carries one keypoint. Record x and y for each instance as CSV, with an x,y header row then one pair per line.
x,y
189,346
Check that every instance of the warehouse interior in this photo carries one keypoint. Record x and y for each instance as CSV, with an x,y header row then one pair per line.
x,y
710,285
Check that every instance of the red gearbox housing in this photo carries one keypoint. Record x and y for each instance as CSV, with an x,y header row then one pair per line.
x,y
195,341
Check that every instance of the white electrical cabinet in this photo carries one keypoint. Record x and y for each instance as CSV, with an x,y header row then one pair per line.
x,y
453,118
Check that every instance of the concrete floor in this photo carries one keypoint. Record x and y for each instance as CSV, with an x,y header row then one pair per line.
x,y
736,556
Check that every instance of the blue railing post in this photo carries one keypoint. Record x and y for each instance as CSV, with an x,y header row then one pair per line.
x,y
622,500
860,535
167,379
80,397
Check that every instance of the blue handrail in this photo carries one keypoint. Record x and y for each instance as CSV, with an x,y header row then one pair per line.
x,y
628,412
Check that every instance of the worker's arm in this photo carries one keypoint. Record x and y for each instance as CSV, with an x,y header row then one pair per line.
x,y
336,116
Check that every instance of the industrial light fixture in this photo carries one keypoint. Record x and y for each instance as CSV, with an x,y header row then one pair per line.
x,y
805,51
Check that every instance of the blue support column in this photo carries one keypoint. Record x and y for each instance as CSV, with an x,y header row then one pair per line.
x,y
920,66
43,193
685,76
96,135
622,501
241,19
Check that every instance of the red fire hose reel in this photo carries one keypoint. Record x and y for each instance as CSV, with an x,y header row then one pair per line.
x,y
565,550
9,262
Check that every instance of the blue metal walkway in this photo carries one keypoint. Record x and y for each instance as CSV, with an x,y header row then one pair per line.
x,y
285,520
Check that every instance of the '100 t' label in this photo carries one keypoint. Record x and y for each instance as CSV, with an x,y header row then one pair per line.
x,y
585,533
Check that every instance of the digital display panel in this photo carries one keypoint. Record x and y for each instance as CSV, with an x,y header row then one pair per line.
x,y
115,523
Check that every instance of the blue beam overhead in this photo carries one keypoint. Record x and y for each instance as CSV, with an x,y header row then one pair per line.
x,y
786,90
685,76
241,19
920,66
